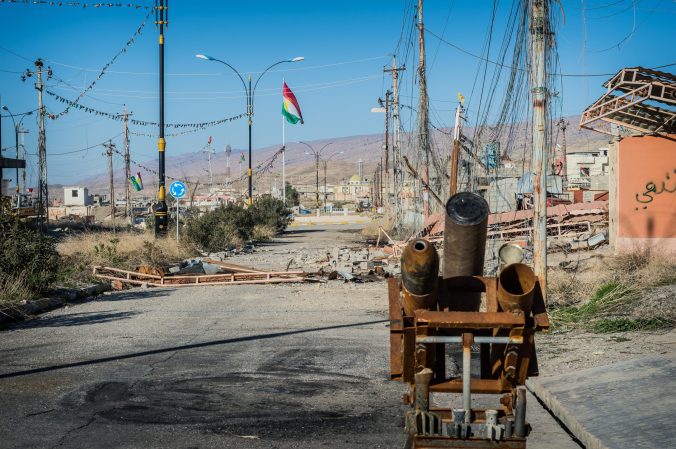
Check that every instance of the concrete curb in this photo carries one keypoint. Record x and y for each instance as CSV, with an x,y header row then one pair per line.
x,y
567,418
42,305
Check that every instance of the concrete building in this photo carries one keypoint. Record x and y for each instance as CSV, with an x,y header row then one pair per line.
x,y
76,196
639,113
588,169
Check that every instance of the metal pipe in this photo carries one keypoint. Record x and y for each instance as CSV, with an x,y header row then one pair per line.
x,y
465,244
422,389
520,412
516,287
518,339
467,376
419,275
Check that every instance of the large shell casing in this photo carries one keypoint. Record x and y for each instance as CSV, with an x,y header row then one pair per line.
x,y
419,275
516,287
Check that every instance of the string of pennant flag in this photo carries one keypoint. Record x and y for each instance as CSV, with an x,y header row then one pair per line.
x,y
91,85
78,4
120,117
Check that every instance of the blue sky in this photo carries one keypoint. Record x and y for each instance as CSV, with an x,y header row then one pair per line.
x,y
345,45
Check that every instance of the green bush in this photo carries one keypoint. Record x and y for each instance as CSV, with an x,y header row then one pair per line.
x,y
27,254
232,224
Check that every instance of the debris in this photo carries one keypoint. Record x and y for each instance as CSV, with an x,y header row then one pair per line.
x,y
231,275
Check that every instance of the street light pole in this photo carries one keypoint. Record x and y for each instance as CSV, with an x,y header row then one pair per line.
x,y
326,161
250,91
161,209
317,155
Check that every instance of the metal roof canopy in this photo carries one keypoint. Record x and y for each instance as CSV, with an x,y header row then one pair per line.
x,y
625,103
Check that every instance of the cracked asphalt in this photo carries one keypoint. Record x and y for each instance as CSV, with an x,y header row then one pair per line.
x,y
258,366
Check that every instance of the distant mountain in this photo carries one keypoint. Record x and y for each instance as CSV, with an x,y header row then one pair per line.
x,y
300,167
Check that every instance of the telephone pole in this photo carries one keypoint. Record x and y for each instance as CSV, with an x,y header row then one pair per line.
x,y
563,125
423,112
43,189
23,156
161,210
540,33
397,173
127,170
209,152
455,153
111,187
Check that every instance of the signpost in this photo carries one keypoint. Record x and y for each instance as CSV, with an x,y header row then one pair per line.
x,y
177,190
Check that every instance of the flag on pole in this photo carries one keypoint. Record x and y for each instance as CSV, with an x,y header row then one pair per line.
x,y
135,183
241,157
139,180
290,108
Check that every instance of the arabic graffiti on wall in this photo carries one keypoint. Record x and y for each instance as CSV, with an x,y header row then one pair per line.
x,y
652,189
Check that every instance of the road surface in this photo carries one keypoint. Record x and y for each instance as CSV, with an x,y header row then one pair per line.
x,y
270,366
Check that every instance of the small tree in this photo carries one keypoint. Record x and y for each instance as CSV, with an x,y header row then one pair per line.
x,y
292,196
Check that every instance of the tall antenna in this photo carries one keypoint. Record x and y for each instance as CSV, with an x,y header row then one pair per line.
x,y
228,153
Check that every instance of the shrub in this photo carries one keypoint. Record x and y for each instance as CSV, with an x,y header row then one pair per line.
x,y
27,254
232,224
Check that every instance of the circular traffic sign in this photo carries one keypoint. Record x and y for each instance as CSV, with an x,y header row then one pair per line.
x,y
177,190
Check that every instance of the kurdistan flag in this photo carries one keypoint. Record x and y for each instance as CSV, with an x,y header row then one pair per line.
x,y
290,108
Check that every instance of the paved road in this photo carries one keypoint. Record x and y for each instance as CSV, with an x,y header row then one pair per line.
x,y
288,366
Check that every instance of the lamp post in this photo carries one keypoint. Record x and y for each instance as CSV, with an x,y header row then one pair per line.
x,y
317,155
325,162
16,138
250,91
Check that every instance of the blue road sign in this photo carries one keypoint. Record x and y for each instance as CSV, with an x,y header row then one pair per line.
x,y
177,190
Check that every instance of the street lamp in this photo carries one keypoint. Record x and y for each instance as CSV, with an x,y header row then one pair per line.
x,y
249,91
16,139
325,162
317,155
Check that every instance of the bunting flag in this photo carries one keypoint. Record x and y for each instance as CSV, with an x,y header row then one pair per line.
x,y
290,107
103,70
78,4
120,117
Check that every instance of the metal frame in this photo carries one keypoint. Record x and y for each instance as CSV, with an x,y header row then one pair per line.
x,y
629,109
506,342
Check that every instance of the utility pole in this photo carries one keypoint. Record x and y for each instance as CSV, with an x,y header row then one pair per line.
x,y
43,189
161,210
228,152
455,153
540,46
111,187
423,112
387,150
127,170
563,125
397,173
317,170
23,156
209,152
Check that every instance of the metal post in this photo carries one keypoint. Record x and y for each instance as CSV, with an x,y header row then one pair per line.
x,y
317,170
177,201
467,376
161,211
127,170
250,114
453,184
539,30
23,156
111,183
325,162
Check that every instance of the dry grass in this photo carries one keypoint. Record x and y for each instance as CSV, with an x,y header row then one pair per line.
x,y
13,291
625,292
263,233
372,229
125,250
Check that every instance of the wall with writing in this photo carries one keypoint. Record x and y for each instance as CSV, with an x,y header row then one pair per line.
x,y
646,193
